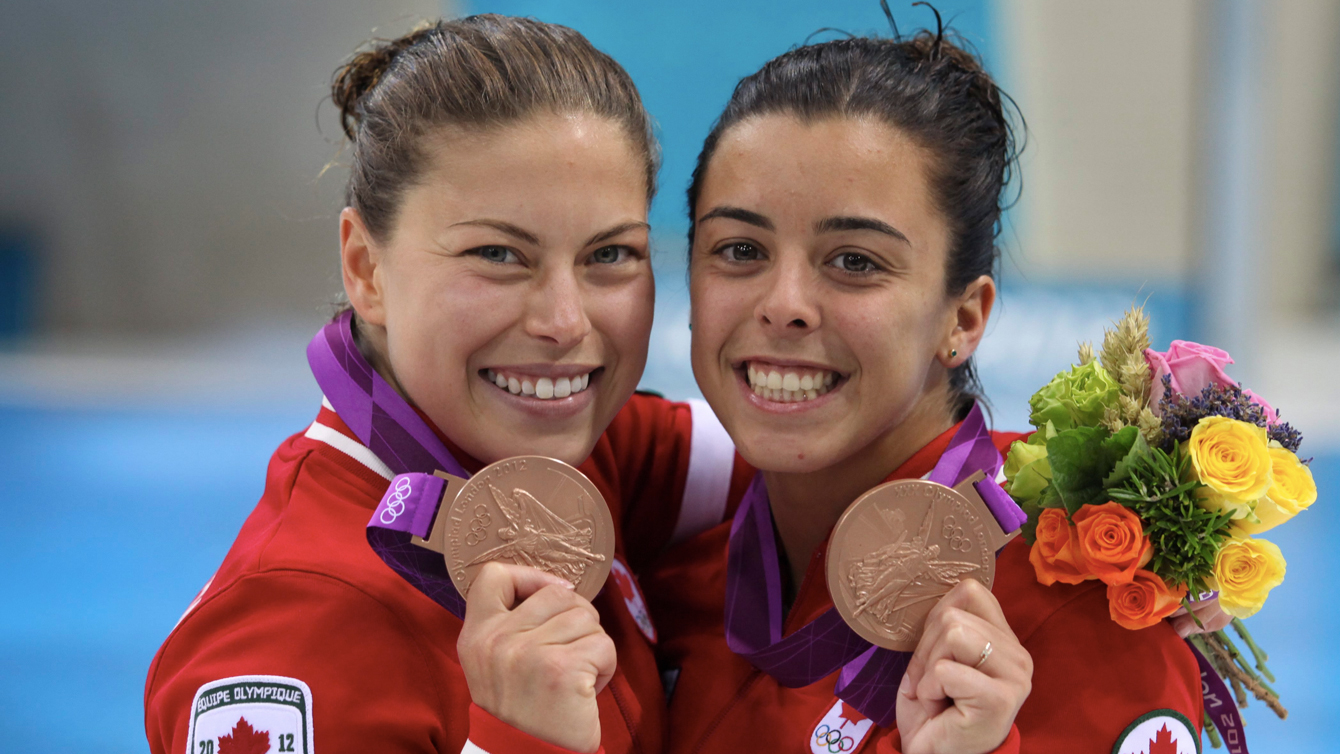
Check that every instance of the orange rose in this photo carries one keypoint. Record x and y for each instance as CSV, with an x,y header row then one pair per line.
x,y
1143,601
1112,541
1055,556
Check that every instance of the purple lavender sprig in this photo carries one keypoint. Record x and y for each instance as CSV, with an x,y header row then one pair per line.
x,y
1181,413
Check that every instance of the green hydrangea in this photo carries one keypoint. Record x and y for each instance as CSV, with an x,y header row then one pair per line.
x,y
1077,397
1027,471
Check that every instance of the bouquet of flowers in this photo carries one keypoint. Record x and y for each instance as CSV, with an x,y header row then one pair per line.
x,y
1154,472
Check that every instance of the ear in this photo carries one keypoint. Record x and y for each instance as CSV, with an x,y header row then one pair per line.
x,y
968,319
360,263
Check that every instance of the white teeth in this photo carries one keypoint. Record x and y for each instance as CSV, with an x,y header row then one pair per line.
x,y
527,387
514,386
789,387
586,380
500,381
562,387
544,388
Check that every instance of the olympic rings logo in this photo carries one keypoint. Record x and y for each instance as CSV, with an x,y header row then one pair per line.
x,y
833,739
395,501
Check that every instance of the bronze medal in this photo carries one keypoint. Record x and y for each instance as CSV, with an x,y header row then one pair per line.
x,y
900,547
527,510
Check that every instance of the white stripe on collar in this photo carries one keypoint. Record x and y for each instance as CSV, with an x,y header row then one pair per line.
x,y
711,461
352,448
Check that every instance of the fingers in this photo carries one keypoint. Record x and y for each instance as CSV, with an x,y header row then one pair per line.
x,y
599,650
1205,617
972,596
499,586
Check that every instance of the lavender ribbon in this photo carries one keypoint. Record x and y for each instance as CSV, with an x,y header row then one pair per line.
x,y
1219,706
870,675
384,422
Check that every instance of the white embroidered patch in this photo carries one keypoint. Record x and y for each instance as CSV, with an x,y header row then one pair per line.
x,y
841,729
632,597
251,713
1162,731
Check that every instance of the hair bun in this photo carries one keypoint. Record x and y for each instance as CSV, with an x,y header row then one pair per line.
x,y
357,77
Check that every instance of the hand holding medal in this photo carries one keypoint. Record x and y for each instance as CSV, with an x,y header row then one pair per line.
x,y
910,566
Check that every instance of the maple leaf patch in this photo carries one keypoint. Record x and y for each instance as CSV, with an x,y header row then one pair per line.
x,y
253,714
1162,731
247,740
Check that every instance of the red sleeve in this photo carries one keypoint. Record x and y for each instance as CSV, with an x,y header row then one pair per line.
x,y
370,685
492,736
1123,674
893,743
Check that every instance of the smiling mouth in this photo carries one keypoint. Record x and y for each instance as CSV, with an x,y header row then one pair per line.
x,y
540,388
784,384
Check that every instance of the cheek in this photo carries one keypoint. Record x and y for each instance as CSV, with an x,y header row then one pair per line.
x,y
440,322
624,316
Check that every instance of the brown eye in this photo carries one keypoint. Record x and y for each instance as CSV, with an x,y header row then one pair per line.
x,y
740,252
853,262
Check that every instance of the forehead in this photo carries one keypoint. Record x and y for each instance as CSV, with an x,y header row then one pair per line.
x,y
828,166
546,154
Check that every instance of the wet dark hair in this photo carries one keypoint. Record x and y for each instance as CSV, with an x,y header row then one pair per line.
x,y
930,88
477,72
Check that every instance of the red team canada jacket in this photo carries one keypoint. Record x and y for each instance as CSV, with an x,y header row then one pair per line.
x,y
1097,687
305,637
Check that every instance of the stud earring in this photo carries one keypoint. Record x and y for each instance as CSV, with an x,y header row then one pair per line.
x,y
953,352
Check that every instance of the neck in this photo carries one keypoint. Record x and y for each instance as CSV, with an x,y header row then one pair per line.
x,y
807,505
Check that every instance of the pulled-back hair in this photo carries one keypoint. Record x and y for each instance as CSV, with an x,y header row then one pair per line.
x,y
926,87
478,72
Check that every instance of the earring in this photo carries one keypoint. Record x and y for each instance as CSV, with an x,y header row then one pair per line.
x,y
953,352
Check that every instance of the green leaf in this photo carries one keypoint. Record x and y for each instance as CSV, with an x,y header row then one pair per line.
x,y
1079,462
1137,449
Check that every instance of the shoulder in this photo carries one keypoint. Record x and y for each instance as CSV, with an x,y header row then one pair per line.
x,y
1092,678
365,667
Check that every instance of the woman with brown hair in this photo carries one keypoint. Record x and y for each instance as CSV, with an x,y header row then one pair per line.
x,y
843,217
494,250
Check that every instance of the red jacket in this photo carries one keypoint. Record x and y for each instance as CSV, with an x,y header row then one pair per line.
x,y
304,634
1092,678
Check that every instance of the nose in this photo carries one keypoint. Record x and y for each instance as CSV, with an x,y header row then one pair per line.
x,y
789,307
557,312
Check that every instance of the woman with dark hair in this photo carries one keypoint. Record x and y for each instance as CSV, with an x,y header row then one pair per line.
x,y
843,218
494,250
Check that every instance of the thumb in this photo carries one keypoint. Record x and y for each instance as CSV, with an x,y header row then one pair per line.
x,y
499,587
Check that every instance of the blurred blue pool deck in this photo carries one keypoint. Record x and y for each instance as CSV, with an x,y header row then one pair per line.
x,y
121,499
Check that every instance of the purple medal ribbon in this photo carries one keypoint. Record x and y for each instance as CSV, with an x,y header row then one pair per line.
x,y
1219,706
870,675
395,433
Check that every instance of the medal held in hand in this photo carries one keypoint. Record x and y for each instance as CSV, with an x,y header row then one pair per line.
x,y
527,510
901,547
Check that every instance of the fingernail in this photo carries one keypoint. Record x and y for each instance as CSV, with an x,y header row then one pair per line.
x,y
905,686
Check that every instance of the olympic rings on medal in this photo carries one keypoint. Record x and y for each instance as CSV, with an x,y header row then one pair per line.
x,y
395,500
833,739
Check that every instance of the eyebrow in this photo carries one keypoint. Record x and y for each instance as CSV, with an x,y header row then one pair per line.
x,y
617,230
737,213
506,227
835,224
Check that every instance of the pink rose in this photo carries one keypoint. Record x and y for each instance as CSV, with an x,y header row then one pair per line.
x,y
1193,367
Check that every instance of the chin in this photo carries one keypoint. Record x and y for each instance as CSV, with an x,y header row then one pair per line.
x,y
781,454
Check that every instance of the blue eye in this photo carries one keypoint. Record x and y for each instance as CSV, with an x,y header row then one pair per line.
x,y
853,262
611,254
740,252
495,254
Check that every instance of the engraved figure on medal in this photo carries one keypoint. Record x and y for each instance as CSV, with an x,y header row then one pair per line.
x,y
885,577
531,511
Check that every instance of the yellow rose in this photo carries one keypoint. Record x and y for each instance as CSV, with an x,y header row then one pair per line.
x,y
1232,458
1292,490
1246,570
